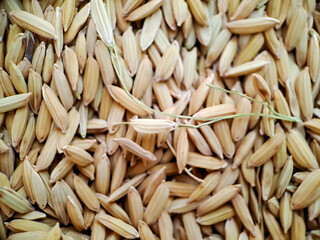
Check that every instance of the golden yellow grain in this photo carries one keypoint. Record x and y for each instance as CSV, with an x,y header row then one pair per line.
x,y
120,96
252,25
167,63
145,231
304,94
62,87
121,21
66,138
223,213
239,125
285,211
121,191
115,116
143,77
118,226
250,50
14,200
103,175
180,189
228,55
302,48
198,11
218,199
296,24
7,86
272,42
199,96
182,150
54,233
113,208
78,21
19,125
199,141
304,196
68,13
48,12
313,125
150,184
71,67
17,78
191,226
29,235
266,180
267,150
182,205
273,225
298,228
25,176
244,148
281,105
37,186
136,149
261,87
245,68
216,111
204,33
244,9
98,230
43,123
228,177
150,29
22,225
3,147
86,194
81,51
131,5
13,30
90,80
130,51
232,229
152,126
222,130
211,181
165,226
284,178
61,170
155,207
300,150
144,11
48,151
179,10
34,24
57,111
14,102
34,86
206,162
164,98
77,155
18,44
75,214
25,66
217,46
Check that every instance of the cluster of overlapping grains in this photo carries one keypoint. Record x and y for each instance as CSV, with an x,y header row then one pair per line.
x,y
100,103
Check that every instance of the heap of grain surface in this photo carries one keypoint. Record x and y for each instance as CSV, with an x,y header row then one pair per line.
x,y
161,119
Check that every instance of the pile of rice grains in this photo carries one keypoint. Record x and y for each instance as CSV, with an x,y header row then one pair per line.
x,y
162,119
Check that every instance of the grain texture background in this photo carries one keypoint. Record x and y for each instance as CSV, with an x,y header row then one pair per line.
x,y
160,119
